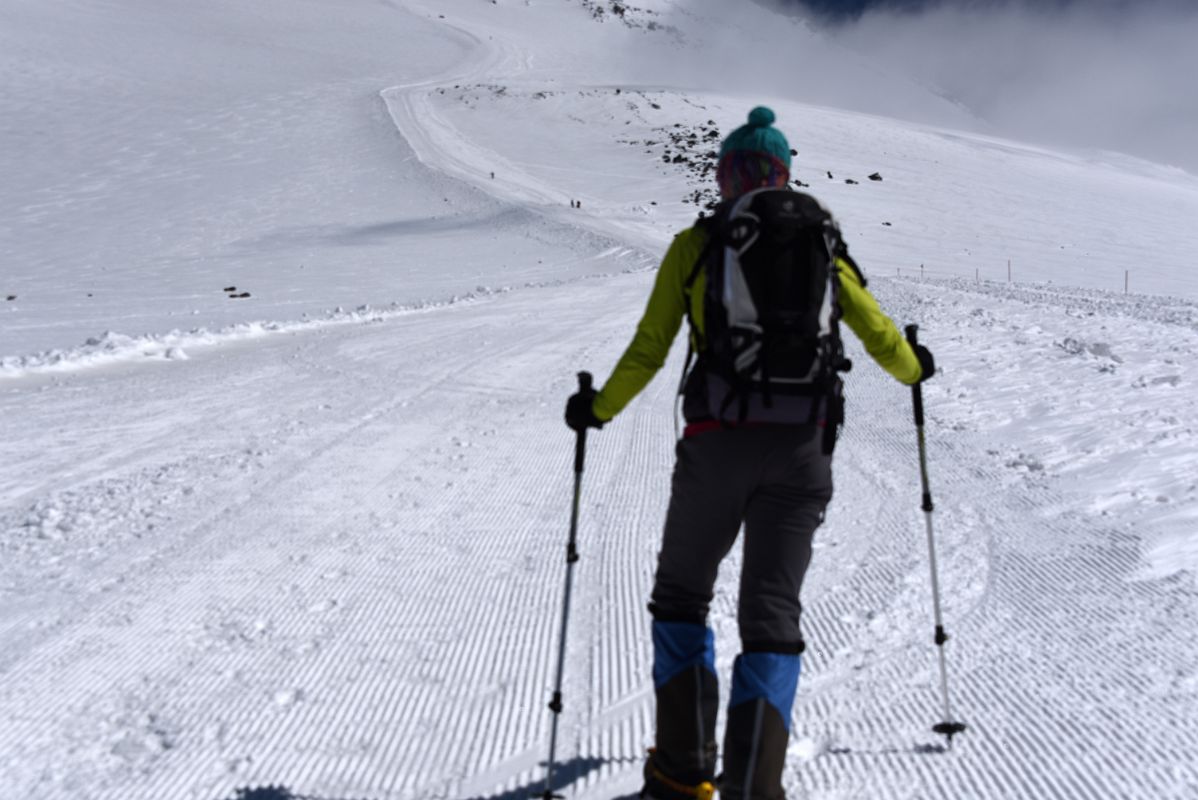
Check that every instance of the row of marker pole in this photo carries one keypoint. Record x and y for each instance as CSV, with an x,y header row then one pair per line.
x,y
977,275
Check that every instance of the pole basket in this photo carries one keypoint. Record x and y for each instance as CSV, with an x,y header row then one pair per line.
x,y
949,729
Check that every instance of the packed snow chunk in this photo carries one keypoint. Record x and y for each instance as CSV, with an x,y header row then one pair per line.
x,y
1176,548
138,737
806,748
1076,347
52,521
1144,382
322,607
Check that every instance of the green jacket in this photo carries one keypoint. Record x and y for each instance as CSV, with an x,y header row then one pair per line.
x,y
667,308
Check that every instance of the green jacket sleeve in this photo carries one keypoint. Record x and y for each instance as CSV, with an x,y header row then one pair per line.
x,y
876,331
656,330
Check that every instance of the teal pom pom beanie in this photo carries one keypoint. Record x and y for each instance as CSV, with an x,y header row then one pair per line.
x,y
758,136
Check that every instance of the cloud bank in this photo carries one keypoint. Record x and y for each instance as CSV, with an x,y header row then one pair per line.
x,y
1109,74
746,49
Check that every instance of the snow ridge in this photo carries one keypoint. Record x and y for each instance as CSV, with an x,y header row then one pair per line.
x,y
112,348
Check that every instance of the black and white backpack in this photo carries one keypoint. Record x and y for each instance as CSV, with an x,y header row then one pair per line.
x,y
771,349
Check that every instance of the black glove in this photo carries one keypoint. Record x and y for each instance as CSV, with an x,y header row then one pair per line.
x,y
927,364
580,412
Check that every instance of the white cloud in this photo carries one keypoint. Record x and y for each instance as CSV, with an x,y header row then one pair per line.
x,y
741,48
1107,74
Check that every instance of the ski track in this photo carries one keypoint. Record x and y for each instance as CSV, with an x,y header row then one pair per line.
x,y
367,628
381,605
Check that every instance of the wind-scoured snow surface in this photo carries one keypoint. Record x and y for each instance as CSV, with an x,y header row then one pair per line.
x,y
314,537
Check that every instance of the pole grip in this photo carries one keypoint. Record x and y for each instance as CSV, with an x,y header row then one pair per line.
x,y
585,384
916,389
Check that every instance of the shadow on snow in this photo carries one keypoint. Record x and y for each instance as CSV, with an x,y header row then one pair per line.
x,y
566,773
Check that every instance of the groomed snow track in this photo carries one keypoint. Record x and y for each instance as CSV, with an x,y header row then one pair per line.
x,y
352,589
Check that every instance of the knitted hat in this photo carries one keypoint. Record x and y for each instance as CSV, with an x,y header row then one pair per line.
x,y
758,137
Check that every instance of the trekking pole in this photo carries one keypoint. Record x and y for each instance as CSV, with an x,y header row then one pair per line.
x,y
555,705
947,728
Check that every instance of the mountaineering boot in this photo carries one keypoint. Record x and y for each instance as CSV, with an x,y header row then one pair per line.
x,y
659,786
686,713
687,703
763,690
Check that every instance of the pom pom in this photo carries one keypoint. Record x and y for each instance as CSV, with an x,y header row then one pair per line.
x,y
761,117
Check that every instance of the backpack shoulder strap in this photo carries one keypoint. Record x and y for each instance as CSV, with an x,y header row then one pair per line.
x,y
842,252
710,226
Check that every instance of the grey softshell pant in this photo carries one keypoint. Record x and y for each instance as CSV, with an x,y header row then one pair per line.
x,y
777,481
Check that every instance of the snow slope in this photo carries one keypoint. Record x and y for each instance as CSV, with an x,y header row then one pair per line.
x,y
323,548
178,149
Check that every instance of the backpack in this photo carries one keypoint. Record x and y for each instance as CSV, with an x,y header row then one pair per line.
x,y
771,349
